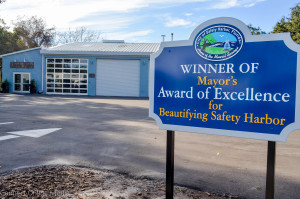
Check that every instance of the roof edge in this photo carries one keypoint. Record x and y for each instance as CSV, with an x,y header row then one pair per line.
x,y
20,51
95,53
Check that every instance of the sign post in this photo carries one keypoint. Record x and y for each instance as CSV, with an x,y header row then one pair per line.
x,y
170,164
225,81
270,182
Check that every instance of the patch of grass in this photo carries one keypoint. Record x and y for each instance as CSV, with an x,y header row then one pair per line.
x,y
216,50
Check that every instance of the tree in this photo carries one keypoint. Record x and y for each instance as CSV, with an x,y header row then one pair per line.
x,y
290,24
33,32
9,42
207,40
80,34
256,30
1,1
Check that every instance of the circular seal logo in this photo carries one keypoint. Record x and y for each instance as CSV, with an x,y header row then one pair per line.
x,y
219,42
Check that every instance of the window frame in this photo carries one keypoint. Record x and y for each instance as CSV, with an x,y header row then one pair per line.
x,y
67,79
21,83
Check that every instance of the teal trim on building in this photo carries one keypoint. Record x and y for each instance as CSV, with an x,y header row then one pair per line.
x,y
144,77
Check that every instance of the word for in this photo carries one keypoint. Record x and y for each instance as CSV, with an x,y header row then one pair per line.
x,y
218,68
214,106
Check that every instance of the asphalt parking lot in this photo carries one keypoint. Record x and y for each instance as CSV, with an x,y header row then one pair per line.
x,y
117,134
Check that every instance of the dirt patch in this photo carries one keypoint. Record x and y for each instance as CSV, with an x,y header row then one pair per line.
x,y
64,182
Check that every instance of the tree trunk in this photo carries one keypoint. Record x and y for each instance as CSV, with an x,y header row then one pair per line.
x,y
205,45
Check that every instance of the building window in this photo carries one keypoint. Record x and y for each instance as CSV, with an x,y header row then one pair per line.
x,y
21,82
67,76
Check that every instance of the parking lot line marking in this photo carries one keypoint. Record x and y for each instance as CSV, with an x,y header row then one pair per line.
x,y
6,123
7,137
35,133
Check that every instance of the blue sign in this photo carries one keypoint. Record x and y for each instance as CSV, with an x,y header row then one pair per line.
x,y
225,81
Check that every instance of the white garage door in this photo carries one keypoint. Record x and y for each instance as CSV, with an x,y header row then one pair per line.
x,y
118,77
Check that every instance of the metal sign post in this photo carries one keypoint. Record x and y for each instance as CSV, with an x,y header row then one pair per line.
x,y
270,183
170,165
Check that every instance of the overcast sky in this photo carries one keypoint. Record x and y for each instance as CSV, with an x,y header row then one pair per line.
x,y
145,20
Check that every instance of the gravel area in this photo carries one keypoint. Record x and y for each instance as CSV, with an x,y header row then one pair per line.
x,y
64,182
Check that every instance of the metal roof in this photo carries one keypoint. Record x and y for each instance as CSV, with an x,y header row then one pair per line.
x,y
100,48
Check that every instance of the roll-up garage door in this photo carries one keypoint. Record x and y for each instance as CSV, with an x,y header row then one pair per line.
x,y
118,77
